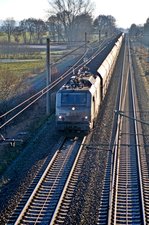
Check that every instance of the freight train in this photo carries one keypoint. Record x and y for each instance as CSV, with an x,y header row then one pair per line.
x,y
78,101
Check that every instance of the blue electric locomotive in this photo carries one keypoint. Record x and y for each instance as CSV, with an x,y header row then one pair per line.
x,y
78,101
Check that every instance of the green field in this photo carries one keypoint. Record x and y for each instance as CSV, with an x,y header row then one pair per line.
x,y
18,62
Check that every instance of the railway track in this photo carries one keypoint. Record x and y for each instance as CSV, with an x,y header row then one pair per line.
x,y
49,202
20,220
126,187
97,54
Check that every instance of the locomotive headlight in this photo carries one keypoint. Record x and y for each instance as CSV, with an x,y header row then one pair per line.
x,y
60,117
73,108
86,117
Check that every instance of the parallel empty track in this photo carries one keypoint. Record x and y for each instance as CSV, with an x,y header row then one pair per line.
x,y
124,197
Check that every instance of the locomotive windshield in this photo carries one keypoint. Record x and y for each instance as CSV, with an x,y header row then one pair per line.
x,y
73,98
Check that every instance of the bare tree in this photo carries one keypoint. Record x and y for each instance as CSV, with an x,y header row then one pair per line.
x,y
66,12
82,24
23,30
36,28
55,28
146,33
40,29
105,24
30,25
17,33
134,31
8,27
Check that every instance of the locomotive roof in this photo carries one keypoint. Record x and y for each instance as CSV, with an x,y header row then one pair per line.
x,y
80,82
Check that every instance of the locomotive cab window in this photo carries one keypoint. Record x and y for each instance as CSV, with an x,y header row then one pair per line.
x,y
73,99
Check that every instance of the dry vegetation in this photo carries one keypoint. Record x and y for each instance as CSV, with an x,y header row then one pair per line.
x,y
143,63
19,63
13,75
14,69
142,81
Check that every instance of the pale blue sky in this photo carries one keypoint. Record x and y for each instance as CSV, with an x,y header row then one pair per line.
x,y
137,12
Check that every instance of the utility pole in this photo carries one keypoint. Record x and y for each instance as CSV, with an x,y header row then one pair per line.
x,y
85,41
99,36
48,76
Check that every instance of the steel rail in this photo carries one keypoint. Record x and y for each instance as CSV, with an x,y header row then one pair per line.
x,y
126,180
57,213
137,140
48,88
57,178
114,162
127,177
